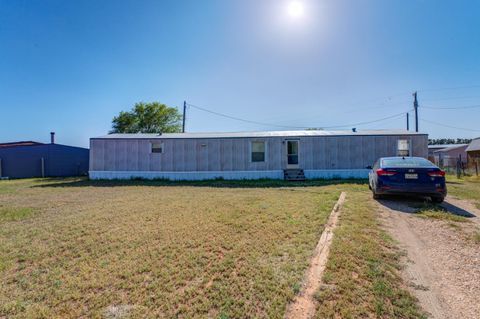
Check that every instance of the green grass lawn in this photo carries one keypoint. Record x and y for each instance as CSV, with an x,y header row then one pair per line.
x,y
362,275
220,249
73,248
464,188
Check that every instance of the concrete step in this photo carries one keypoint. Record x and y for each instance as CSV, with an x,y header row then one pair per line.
x,y
295,174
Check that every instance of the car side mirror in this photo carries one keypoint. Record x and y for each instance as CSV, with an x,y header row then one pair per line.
x,y
369,167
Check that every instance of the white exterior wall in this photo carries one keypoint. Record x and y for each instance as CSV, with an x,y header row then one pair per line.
x,y
230,158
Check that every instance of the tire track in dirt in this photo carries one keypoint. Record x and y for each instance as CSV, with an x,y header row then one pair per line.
x,y
303,306
417,270
443,267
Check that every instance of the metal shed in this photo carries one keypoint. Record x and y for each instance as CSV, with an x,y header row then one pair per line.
x,y
33,159
248,155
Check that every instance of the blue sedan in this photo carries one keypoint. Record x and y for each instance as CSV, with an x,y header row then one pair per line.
x,y
407,176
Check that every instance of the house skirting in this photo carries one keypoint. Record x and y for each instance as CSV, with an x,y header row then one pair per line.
x,y
186,176
231,175
336,173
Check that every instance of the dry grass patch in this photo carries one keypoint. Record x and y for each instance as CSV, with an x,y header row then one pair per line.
x,y
362,277
144,251
476,237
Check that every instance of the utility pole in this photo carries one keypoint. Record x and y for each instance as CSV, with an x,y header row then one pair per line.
x,y
408,122
415,107
184,115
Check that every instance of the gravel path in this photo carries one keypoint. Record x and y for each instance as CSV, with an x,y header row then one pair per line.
x,y
444,265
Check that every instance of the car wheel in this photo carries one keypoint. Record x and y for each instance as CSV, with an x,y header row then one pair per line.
x,y
437,200
375,195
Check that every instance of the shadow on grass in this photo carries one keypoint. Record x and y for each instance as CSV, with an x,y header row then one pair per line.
x,y
456,210
420,205
455,183
261,183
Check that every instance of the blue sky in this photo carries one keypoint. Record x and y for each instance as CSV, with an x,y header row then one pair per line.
x,y
70,66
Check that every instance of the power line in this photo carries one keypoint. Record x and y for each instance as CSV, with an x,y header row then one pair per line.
x,y
368,122
390,121
384,106
240,119
293,127
453,98
357,110
449,126
451,107
451,88
385,103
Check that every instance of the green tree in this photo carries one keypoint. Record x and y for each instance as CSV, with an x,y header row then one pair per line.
x,y
443,141
151,117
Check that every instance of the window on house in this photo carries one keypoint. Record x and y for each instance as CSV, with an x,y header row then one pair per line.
x,y
258,151
157,147
403,148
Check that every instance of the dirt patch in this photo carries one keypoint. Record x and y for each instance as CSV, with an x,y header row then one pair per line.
x,y
118,311
443,266
303,305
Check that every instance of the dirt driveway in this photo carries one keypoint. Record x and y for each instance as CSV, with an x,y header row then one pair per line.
x,y
443,265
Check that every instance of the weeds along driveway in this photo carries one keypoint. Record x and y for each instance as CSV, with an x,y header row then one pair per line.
x,y
185,251
362,277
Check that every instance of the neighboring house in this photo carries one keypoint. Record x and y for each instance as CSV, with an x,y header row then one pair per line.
x,y
248,155
33,159
449,155
473,152
22,143
433,148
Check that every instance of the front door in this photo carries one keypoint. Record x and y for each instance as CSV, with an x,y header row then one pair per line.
x,y
292,154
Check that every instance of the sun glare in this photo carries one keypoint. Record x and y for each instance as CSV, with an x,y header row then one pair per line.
x,y
295,9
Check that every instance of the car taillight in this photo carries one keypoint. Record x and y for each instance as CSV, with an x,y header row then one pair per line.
x,y
437,174
382,172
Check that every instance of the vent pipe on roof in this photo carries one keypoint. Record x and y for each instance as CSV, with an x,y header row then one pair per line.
x,y
354,130
52,137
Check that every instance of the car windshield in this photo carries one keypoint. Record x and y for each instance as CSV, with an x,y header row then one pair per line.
x,y
406,162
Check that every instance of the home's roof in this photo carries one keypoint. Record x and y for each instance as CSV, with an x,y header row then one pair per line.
x,y
450,147
474,145
258,134
20,143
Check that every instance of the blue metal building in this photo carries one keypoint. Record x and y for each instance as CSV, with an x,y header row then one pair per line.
x,y
33,159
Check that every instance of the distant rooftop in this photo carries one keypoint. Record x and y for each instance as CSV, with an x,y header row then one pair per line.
x,y
447,147
21,143
437,146
474,145
259,134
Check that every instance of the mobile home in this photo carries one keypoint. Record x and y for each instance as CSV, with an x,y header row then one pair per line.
x,y
248,155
